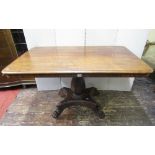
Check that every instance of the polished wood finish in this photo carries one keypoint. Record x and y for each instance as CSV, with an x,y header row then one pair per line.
x,y
78,62
89,61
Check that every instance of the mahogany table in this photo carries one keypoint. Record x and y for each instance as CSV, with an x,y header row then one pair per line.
x,y
78,62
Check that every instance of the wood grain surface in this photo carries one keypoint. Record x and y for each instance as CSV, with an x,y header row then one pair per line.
x,y
69,60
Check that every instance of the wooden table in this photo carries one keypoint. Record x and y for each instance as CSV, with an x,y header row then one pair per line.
x,y
78,62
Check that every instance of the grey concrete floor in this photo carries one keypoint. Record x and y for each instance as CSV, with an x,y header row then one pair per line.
x,y
144,91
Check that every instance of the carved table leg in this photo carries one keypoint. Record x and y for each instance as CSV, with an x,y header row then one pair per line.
x,y
59,109
66,93
78,95
89,104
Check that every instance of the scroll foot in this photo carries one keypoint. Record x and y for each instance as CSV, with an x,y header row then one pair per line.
x,y
56,113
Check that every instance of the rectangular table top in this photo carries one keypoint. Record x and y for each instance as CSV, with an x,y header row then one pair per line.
x,y
69,60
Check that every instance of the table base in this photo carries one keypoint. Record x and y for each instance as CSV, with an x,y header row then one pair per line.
x,y
78,95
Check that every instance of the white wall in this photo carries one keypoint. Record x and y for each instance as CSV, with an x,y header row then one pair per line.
x,y
70,37
132,39
101,37
38,37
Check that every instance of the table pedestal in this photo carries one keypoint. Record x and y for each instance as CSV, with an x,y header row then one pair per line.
x,y
78,95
